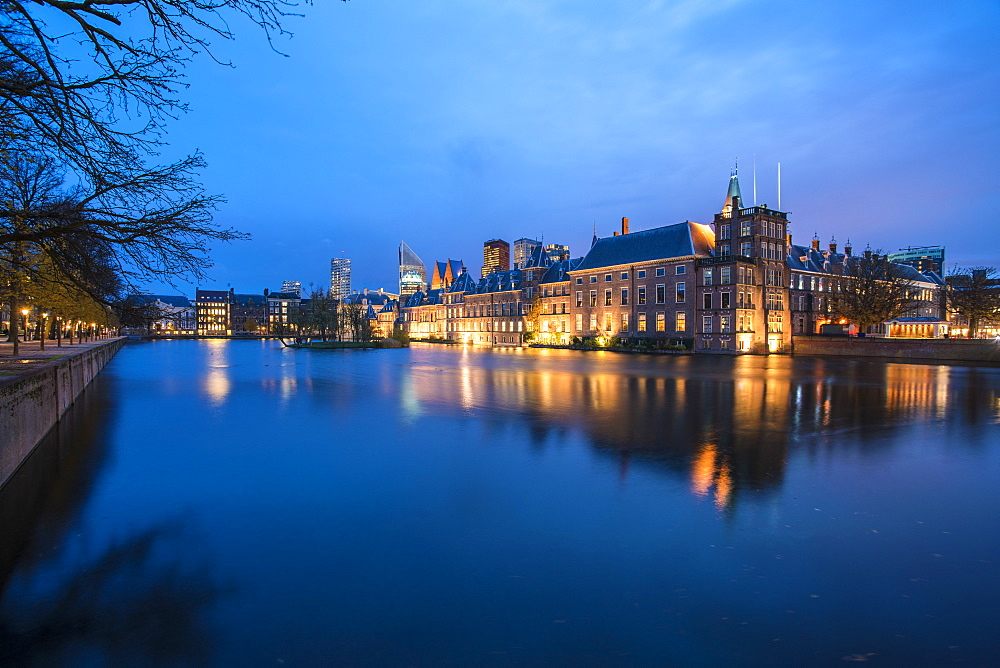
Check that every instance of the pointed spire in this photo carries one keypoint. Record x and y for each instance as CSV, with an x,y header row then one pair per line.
x,y
734,190
593,241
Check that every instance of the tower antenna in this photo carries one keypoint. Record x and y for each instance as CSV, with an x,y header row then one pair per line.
x,y
779,186
755,179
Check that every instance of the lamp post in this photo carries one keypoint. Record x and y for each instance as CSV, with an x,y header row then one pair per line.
x,y
41,339
24,317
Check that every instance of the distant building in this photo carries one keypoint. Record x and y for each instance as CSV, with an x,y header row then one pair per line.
x,y
248,314
292,286
340,278
923,258
282,309
212,309
557,252
496,256
412,272
522,251
445,273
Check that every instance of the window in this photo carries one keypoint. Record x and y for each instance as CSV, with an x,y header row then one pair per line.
x,y
707,300
746,249
726,275
607,322
724,324
579,299
726,300
579,322
724,231
681,321
641,273
745,228
624,275
706,324
661,321
607,297
661,291
624,321
607,278
624,297
660,271
680,296
681,269
640,297
593,279
708,276
545,291
593,321
593,297
642,322
724,250
579,281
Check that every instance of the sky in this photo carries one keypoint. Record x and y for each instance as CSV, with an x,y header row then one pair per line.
x,y
446,123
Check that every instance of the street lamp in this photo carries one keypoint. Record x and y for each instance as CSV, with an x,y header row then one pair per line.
x,y
24,314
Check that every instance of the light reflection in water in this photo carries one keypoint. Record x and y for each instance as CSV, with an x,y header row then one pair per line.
x,y
216,383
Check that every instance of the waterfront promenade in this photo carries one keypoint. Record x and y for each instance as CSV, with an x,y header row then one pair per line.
x,y
30,356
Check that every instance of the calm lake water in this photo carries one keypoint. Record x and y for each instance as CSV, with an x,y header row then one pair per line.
x,y
240,504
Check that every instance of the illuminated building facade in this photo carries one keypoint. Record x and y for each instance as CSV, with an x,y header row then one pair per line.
x,y
292,286
742,295
282,308
736,286
496,256
412,272
212,308
340,278
557,252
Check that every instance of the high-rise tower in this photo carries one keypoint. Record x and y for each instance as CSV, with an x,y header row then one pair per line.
x,y
522,251
340,277
496,256
412,271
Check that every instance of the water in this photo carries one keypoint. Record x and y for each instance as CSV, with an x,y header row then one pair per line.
x,y
235,503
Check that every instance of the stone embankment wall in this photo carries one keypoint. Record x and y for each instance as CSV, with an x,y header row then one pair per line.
x,y
32,403
945,350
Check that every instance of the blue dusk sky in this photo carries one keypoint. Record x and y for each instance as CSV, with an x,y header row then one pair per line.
x,y
447,123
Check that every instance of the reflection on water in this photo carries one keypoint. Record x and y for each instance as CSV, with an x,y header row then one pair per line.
x,y
216,383
452,506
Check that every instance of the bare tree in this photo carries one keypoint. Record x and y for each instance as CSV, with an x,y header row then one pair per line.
x,y
974,293
871,289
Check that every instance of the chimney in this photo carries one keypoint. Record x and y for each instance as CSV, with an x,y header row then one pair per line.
x,y
624,225
848,248
833,244
616,233
815,243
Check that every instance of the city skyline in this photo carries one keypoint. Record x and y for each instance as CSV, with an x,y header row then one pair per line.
x,y
545,119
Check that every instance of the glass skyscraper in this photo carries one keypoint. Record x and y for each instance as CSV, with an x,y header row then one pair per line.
x,y
412,271
340,277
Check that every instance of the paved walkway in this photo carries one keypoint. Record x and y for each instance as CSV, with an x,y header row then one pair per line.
x,y
29,356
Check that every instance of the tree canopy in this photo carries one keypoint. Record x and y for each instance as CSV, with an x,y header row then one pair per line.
x,y
86,90
872,289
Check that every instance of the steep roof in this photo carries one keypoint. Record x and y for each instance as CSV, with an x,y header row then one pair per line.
x,y
464,283
680,240
538,258
558,271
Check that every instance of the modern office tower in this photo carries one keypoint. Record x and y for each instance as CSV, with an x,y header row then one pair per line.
x,y
412,272
522,251
923,258
557,252
292,287
496,256
340,277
